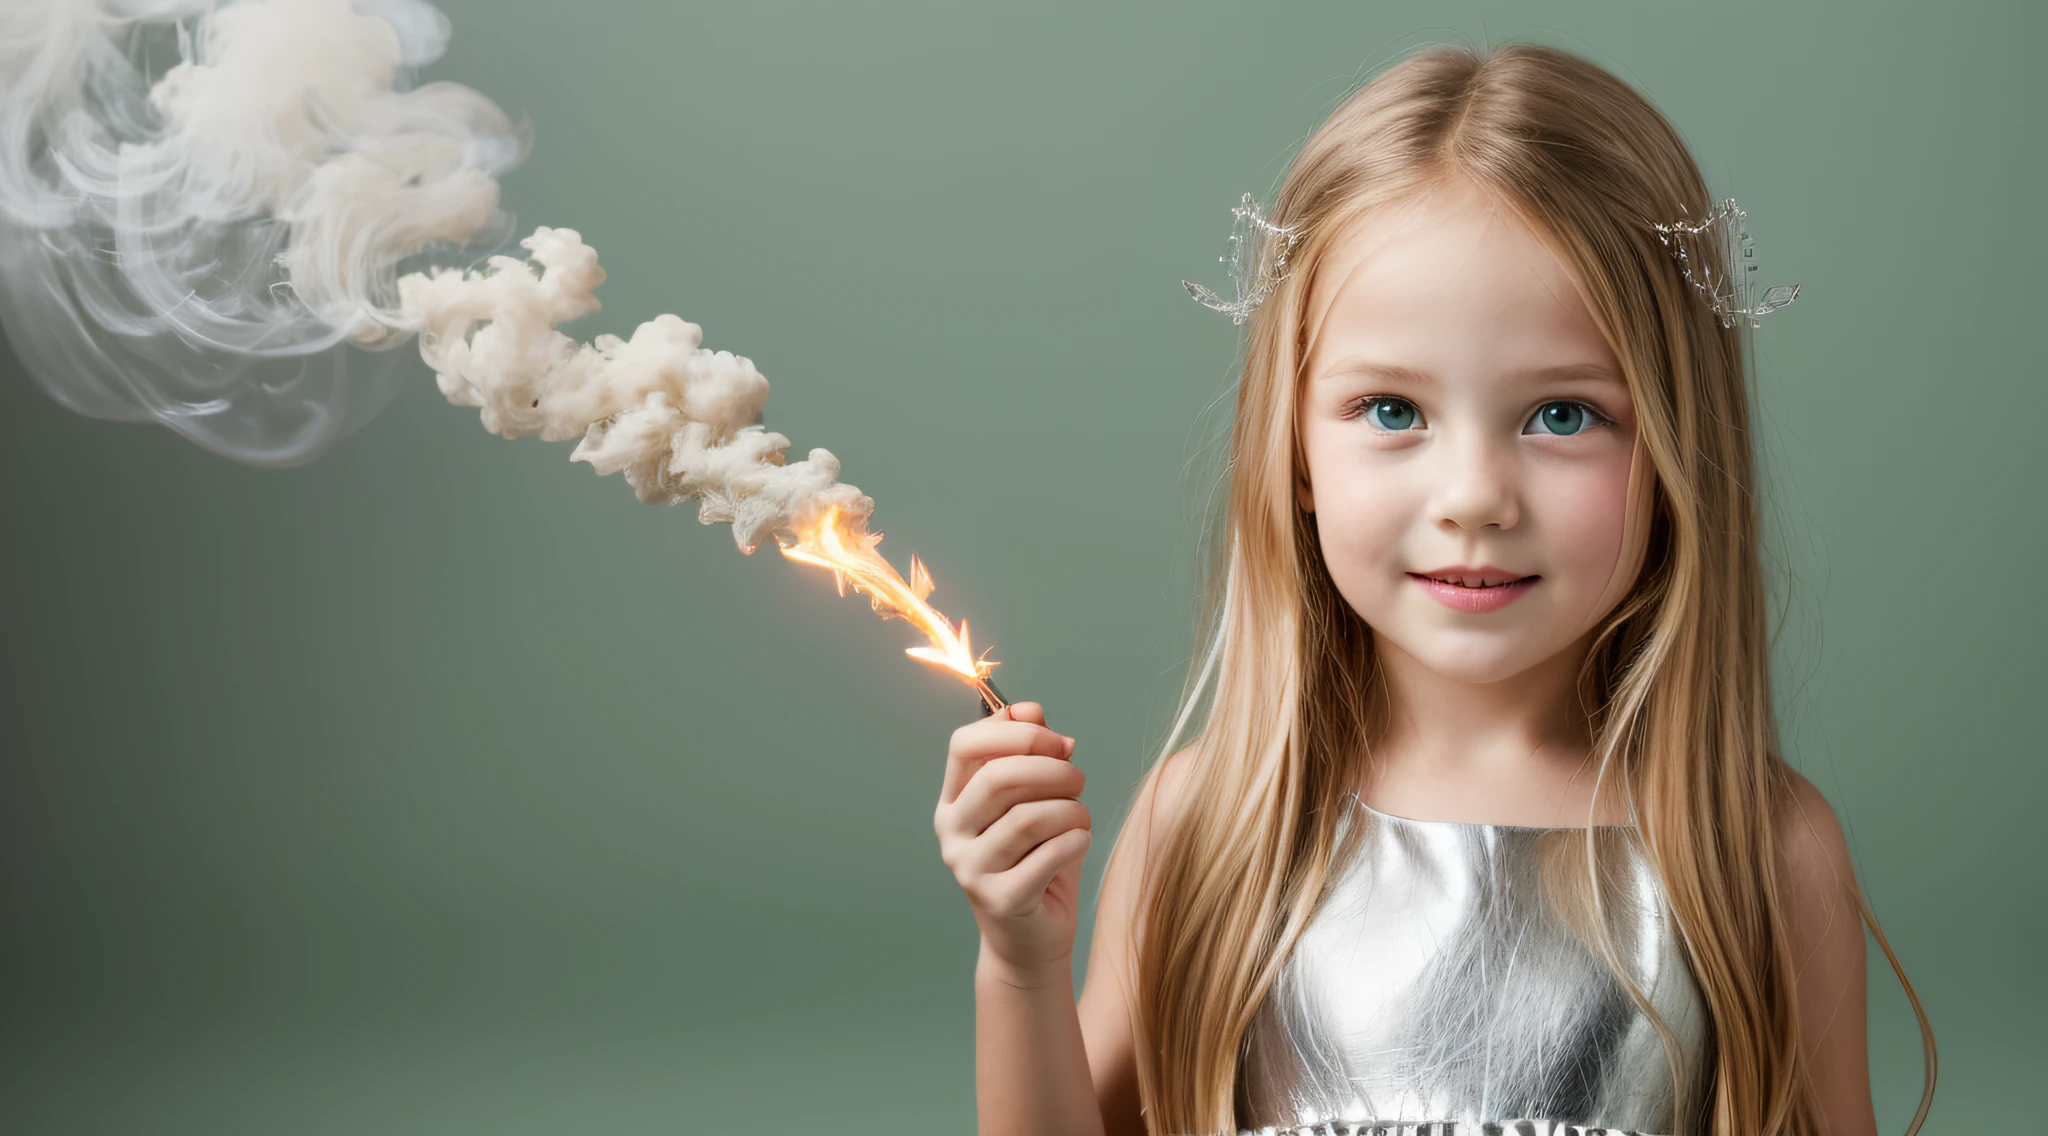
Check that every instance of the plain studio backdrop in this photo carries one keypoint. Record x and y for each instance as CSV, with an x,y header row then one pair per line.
x,y
439,786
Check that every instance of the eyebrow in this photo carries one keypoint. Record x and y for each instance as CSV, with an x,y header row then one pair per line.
x,y
1391,372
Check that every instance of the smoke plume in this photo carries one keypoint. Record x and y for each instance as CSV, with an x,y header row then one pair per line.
x,y
222,217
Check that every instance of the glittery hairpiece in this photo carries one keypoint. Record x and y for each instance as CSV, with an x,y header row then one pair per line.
x,y
1257,260
1718,257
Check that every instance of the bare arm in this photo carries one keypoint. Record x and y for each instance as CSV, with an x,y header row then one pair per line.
x,y
1031,1075
1012,829
1107,997
1818,883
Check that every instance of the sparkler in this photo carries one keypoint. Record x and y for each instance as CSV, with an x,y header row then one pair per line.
x,y
849,552
213,244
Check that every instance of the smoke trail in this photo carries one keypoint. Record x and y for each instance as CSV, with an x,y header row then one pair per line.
x,y
677,419
221,248
203,251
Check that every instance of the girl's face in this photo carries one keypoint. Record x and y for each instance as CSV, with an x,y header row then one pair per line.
x,y
1469,441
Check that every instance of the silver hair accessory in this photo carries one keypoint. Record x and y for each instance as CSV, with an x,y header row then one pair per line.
x,y
1718,257
1257,260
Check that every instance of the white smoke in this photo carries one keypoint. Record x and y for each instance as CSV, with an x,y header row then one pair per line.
x,y
678,420
206,211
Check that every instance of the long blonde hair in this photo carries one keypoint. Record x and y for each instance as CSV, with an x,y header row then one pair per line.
x,y
1676,684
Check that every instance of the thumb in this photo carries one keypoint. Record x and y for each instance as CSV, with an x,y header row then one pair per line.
x,y
1030,712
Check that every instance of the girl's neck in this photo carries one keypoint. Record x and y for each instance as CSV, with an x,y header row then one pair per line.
x,y
1508,752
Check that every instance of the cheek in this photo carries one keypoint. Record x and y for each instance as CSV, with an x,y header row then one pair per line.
x,y
1582,511
1365,504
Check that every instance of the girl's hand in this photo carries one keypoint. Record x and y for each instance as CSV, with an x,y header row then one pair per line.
x,y
1014,832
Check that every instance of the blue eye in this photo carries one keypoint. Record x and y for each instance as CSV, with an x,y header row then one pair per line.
x,y
1563,418
1389,413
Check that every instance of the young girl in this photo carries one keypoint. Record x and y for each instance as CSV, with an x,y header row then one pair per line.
x,y
1487,824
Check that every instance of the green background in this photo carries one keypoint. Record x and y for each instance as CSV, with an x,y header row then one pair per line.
x,y
439,786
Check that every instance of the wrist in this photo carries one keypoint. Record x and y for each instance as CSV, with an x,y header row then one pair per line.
x,y
994,968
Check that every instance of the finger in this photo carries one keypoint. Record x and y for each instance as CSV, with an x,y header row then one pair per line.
x,y
1003,784
1034,713
1018,831
975,813
992,736
1020,890
1006,782
974,744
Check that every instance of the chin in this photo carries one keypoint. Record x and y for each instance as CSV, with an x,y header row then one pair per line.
x,y
1477,663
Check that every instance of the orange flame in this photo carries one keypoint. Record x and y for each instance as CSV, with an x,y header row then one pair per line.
x,y
831,542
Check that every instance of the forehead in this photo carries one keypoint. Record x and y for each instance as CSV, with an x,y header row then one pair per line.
x,y
1450,282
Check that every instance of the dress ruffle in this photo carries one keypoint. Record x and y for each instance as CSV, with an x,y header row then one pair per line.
x,y
1439,1128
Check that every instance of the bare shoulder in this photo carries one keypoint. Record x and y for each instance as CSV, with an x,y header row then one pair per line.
x,y
1107,1006
1817,895
1824,929
1158,800
1814,864
1160,794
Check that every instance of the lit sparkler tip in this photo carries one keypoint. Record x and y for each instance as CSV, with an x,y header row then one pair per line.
x,y
849,551
920,579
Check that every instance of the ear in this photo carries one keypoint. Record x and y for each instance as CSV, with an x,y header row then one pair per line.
x,y
1304,493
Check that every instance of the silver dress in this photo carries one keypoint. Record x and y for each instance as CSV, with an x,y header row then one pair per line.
x,y
1449,984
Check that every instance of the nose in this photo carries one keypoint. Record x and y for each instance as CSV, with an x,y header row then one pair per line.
x,y
1477,488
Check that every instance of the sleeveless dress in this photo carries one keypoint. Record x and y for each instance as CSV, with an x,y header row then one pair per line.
x,y
1449,985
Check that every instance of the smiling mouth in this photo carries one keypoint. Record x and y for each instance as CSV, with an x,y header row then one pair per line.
x,y
1475,592
1475,582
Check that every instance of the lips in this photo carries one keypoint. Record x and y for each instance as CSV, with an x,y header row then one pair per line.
x,y
1475,590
